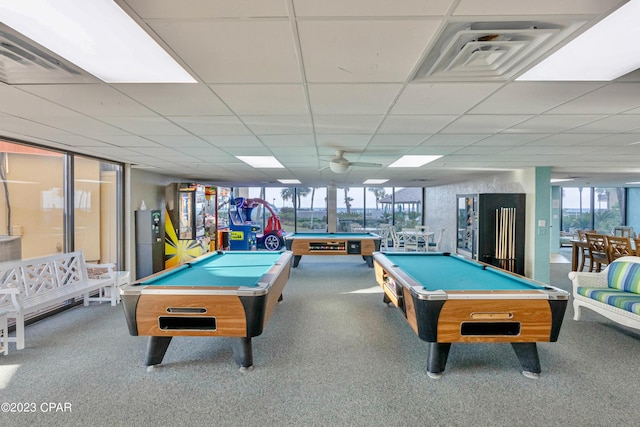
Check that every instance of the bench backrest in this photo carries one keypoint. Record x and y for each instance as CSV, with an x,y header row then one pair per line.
x,y
39,275
624,274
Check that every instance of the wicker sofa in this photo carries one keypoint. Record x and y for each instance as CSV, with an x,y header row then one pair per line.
x,y
614,292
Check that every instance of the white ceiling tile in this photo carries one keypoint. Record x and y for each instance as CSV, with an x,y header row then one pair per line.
x,y
179,141
509,139
211,125
307,8
553,123
235,51
307,141
539,7
531,97
611,124
263,99
453,140
234,141
24,104
483,123
278,125
392,141
441,98
176,99
363,51
203,9
131,141
414,124
145,125
352,98
330,124
613,98
90,99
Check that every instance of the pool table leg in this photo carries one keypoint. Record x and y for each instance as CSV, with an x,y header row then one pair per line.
x,y
527,353
156,348
242,352
437,359
296,260
369,260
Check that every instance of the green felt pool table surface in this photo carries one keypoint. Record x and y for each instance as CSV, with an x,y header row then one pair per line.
x,y
238,268
337,236
451,272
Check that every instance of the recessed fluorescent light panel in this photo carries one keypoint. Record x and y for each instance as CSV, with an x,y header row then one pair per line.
x,y
413,161
604,52
555,180
97,36
375,181
289,181
261,162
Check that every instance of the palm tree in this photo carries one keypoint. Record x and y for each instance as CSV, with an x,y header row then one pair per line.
x,y
379,193
288,193
347,200
302,192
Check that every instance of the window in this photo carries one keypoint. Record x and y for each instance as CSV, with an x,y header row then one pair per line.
x,y
96,209
32,201
592,208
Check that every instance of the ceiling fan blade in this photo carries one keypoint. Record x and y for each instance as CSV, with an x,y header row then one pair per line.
x,y
365,164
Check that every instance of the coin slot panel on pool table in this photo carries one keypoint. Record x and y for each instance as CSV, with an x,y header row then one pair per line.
x,y
327,246
187,310
490,328
183,323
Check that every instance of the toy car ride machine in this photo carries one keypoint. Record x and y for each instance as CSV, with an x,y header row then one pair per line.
x,y
247,235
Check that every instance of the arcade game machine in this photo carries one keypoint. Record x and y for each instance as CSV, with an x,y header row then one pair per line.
x,y
185,223
247,234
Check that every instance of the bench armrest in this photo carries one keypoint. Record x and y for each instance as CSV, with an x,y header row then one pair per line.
x,y
14,292
590,280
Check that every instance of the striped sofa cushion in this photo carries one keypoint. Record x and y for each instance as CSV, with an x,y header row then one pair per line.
x,y
614,297
624,276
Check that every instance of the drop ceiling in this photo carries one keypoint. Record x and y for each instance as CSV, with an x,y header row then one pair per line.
x,y
300,79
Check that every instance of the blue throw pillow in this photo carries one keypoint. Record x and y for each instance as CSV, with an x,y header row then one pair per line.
x,y
624,276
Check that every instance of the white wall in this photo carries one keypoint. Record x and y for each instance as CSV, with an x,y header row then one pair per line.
x,y
150,187
441,206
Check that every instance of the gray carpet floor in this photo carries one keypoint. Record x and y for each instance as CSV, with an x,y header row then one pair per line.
x,y
332,355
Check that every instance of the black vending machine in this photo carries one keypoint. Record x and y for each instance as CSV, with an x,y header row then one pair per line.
x,y
149,243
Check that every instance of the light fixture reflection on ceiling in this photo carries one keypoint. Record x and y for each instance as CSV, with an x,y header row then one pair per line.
x,y
604,52
375,181
413,161
261,162
97,36
289,181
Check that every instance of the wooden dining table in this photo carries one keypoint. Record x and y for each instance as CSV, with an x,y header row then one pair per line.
x,y
577,247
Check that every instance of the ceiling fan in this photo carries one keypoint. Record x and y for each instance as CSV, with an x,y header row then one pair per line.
x,y
339,164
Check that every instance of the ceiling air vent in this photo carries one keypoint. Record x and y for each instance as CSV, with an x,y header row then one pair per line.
x,y
22,61
492,51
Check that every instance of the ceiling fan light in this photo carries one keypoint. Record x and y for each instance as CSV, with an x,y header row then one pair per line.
x,y
339,167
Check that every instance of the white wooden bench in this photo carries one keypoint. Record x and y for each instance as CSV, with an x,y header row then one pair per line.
x,y
33,285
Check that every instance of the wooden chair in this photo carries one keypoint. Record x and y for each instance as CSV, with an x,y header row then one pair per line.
x,y
597,246
584,250
636,241
617,247
623,231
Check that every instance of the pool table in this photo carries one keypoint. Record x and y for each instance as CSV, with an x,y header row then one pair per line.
x,y
221,294
446,299
362,244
